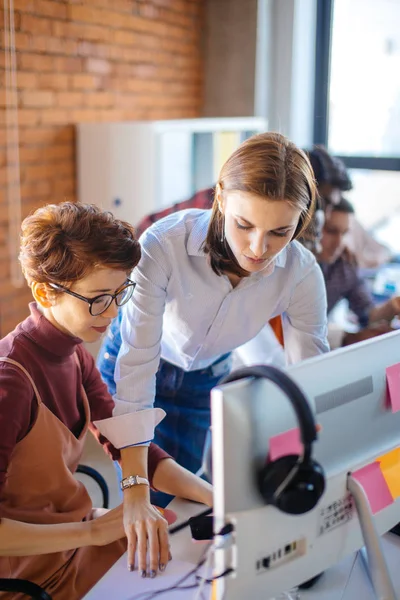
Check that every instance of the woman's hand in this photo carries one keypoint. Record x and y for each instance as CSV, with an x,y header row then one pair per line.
x,y
108,528
146,529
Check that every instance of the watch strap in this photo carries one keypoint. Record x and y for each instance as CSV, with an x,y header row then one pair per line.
x,y
133,480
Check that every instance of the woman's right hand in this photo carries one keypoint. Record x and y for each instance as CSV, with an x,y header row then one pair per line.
x,y
108,528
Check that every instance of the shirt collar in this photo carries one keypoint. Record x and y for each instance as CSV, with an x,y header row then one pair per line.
x,y
198,234
45,334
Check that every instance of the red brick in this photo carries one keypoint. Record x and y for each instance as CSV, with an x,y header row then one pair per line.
x,y
51,153
98,66
54,115
98,100
82,115
53,81
62,187
36,172
22,41
35,25
69,99
37,99
93,49
46,135
49,8
35,62
27,80
85,81
35,189
28,116
55,45
82,31
67,64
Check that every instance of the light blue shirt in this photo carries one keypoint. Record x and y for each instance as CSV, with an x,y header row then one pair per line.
x,y
185,313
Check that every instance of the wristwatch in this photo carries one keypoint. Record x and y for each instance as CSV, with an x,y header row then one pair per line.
x,y
132,480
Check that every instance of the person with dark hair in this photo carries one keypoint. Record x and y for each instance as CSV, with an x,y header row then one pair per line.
x,y
332,180
342,280
209,281
77,261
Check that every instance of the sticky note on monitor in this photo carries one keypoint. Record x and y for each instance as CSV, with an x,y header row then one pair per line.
x,y
390,467
374,484
393,387
285,443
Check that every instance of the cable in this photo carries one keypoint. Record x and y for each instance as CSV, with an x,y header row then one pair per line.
x,y
203,580
177,586
200,581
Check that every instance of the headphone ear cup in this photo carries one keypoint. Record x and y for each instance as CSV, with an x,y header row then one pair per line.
x,y
302,493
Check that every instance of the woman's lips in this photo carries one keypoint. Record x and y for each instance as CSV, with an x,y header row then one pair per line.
x,y
101,329
256,261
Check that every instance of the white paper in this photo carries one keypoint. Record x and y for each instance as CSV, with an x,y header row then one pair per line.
x,y
121,584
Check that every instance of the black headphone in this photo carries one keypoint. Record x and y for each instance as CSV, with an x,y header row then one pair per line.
x,y
294,484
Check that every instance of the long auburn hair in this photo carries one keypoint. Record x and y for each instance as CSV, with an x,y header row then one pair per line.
x,y
269,166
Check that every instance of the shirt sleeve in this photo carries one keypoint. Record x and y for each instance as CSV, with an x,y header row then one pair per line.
x,y
134,417
17,412
305,320
359,298
101,407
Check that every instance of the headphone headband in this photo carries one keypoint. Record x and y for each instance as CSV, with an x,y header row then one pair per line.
x,y
296,397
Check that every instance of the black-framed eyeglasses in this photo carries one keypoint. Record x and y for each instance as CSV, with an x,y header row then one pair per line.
x,y
99,304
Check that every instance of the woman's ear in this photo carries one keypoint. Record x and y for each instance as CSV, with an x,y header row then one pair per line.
x,y
42,294
219,198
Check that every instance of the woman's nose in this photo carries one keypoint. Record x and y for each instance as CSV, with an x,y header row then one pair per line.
x,y
112,311
259,245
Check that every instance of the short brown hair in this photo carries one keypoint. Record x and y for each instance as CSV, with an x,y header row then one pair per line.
x,y
61,243
270,166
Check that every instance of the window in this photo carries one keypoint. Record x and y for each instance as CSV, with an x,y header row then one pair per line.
x,y
357,88
364,97
357,103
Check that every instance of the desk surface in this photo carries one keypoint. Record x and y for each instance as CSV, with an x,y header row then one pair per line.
x,y
345,581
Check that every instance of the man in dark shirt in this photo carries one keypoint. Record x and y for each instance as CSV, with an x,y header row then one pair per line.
x,y
342,279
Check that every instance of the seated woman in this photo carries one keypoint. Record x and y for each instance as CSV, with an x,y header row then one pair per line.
x,y
77,260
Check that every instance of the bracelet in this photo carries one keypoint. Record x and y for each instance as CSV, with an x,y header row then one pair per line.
x,y
132,480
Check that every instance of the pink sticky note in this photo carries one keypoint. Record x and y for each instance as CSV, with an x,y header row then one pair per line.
x,y
285,443
374,484
393,387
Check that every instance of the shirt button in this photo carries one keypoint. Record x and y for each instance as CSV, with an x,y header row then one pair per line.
x,y
106,355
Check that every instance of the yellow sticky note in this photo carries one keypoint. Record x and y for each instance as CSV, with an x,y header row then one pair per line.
x,y
390,467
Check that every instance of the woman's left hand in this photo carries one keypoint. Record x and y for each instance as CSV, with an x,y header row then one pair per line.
x,y
146,530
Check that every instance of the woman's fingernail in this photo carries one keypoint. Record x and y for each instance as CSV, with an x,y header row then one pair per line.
x,y
162,567
143,573
131,567
152,574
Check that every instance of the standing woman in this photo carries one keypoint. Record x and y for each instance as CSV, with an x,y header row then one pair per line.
x,y
209,280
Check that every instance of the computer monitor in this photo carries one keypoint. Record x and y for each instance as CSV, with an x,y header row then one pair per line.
x,y
347,390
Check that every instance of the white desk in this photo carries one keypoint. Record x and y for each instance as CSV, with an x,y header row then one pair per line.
x,y
347,580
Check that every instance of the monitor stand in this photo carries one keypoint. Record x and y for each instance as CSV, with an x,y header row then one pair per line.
x,y
372,553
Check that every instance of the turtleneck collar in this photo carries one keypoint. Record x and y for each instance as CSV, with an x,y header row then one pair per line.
x,y
45,334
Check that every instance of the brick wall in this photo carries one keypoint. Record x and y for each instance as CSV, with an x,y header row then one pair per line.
x,y
90,60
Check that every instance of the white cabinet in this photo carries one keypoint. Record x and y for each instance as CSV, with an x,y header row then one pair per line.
x,y
137,167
